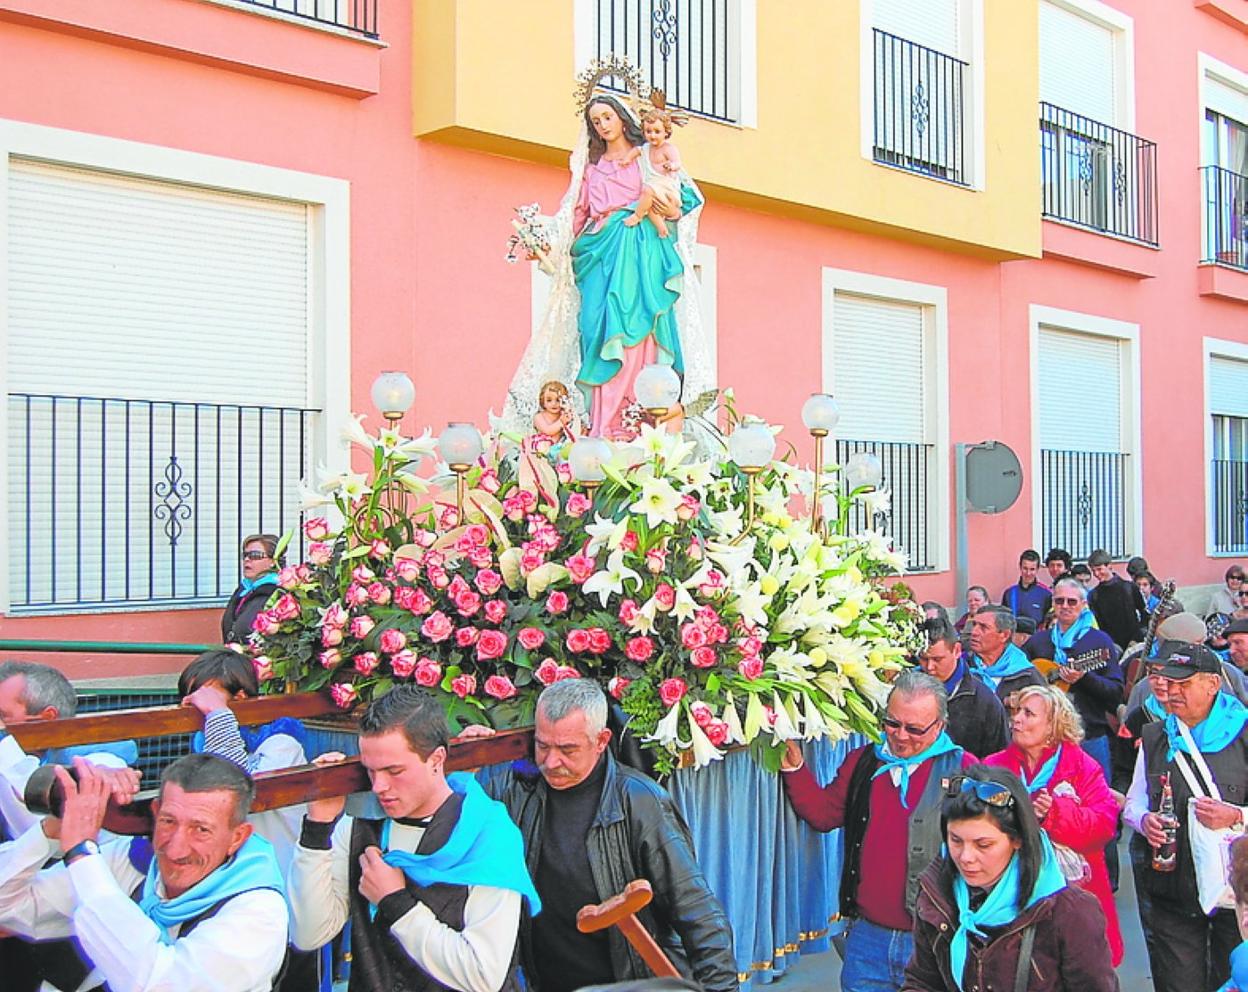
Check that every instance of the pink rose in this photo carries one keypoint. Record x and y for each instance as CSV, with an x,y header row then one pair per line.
x,y
404,597
489,481
656,560
361,627
421,603
466,637
531,638
531,560
557,602
437,576
331,637
751,646
330,658
694,551
457,587
286,607
392,641
578,640
481,556
599,640
717,633
366,662
547,672
566,672
467,603
671,691
437,627
316,529
750,667
320,553
288,577
426,538
448,519
580,568
629,543
344,694
362,574
266,624
713,586
496,611
335,616
706,615
356,595
403,663
264,668
379,593
491,644
407,569
379,549
618,686
664,596
488,581
717,732
639,649
564,471
464,685
688,508
703,657
578,505
304,572
500,687
701,713
476,534
692,636
428,672
628,612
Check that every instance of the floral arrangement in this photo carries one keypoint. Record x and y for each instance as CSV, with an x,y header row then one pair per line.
x,y
531,238
709,633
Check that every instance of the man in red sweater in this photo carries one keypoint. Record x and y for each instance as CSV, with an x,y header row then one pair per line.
x,y
887,797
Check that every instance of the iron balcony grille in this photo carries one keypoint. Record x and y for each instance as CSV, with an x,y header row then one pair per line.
x,y
358,16
1084,501
920,111
116,502
691,49
907,474
1230,506
1097,176
1226,216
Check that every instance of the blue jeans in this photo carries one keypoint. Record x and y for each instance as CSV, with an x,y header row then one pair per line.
x,y
875,958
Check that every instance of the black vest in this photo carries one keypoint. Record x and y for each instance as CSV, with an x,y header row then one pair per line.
x,y
1230,769
378,961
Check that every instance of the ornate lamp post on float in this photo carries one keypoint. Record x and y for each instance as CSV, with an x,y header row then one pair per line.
x,y
393,394
820,414
586,458
657,388
459,445
751,447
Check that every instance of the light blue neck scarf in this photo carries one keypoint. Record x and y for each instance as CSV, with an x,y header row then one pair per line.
x,y
268,579
1001,906
1156,709
940,745
1224,723
1011,662
1064,642
1044,774
253,866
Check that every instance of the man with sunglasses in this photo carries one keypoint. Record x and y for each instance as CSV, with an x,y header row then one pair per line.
x,y
1191,948
254,589
887,797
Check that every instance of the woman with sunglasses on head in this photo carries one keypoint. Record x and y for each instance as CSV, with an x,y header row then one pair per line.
x,y
258,583
995,911
1068,791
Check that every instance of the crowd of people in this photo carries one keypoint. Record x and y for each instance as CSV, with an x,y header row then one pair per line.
x,y
980,833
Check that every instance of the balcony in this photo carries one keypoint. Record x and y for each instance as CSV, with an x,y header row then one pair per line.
x,y
907,473
1225,217
1083,501
920,113
1098,177
356,16
1230,506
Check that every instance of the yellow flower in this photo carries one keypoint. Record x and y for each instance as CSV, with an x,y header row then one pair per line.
x,y
769,585
778,542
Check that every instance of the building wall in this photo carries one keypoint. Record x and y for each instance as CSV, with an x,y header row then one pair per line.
x,y
437,148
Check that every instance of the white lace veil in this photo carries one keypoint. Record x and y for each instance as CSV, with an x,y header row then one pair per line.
x,y
554,350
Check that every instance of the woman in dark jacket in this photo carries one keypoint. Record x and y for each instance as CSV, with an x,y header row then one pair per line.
x,y
258,583
995,911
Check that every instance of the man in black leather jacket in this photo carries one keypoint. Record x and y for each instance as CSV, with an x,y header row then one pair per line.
x,y
591,826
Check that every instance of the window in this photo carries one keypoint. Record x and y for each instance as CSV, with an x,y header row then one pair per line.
x,y
921,87
1224,164
884,360
1086,462
174,320
1227,406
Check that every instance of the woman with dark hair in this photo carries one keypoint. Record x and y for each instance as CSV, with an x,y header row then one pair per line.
x,y
995,912
259,581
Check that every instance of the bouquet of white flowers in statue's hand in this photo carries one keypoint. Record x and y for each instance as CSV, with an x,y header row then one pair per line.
x,y
532,238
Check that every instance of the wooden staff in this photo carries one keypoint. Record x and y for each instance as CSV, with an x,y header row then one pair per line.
x,y
621,911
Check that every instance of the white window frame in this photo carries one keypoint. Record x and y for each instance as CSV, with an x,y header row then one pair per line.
x,y
1123,25
1214,348
935,303
1130,400
970,48
329,242
584,29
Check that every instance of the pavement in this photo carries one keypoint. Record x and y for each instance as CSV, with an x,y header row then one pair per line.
x,y
822,972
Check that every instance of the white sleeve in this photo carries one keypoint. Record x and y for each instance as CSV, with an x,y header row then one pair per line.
x,y
1137,796
317,889
278,752
240,948
475,959
16,767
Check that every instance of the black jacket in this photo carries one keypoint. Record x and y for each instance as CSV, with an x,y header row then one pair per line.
x,y
977,721
1119,610
240,612
637,833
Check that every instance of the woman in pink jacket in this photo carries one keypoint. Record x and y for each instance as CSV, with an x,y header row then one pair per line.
x,y
1068,789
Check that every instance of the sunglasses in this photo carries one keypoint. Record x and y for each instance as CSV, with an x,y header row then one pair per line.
x,y
1066,601
892,724
255,555
991,793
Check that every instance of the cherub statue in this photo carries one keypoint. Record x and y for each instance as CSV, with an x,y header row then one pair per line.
x,y
660,167
554,418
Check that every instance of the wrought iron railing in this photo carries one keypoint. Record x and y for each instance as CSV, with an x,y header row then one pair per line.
x,y
920,113
1097,176
907,474
1226,216
1083,501
144,502
691,49
1230,505
359,16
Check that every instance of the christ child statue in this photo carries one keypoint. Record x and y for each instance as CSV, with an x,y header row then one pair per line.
x,y
660,168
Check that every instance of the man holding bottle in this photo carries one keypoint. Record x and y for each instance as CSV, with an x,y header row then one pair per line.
x,y
1190,949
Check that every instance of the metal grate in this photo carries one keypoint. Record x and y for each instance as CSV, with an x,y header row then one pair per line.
x,y
906,472
359,16
1226,216
155,753
1084,501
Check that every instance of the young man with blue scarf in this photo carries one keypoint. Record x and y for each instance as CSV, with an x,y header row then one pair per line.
x,y
1190,950
433,888
977,719
198,908
888,798
995,658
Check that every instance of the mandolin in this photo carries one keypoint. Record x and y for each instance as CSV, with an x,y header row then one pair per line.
x,y
1086,661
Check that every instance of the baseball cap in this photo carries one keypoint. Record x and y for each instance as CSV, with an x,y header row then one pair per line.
x,y
1181,660
1026,625
1236,627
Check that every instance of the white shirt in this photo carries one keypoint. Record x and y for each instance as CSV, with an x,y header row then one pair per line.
x,y
475,959
16,767
240,949
1137,798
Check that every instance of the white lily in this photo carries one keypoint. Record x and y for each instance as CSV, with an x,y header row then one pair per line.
x,y
667,730
353,431
732,559
415,448
412,483
736,734
604,531
685,606
785,727
814,726
728,522
876,502
612,578
310,499
659,501
354,486
694,475
751,602
704,752
755,717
